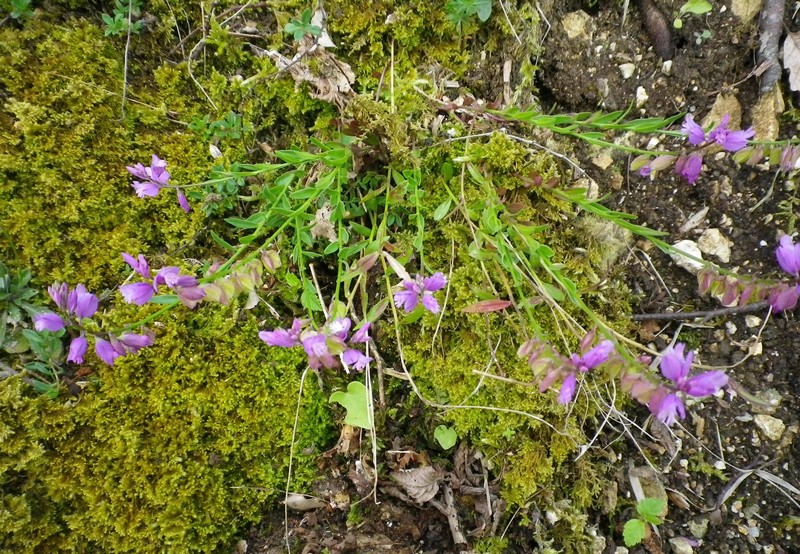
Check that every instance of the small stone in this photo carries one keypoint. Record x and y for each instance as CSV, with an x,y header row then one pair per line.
x,y
714,243
698,528
691,248
666,67
621,550
627,70
720,465
603,161
730,326
771,399
752,321
575,24
641,97
680,546
772,427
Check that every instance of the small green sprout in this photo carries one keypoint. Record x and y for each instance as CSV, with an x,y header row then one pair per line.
x,y
445,436
460,11
694,7
300,28
650,511
19,9
124,12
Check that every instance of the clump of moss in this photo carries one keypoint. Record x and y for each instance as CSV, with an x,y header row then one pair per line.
x,y
176,448
68,206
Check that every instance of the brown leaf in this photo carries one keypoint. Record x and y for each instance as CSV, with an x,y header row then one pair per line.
x,y
421,483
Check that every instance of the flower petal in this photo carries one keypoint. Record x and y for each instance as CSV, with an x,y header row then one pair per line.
x,y
105,351
435,282
137,293
77,349
356,359
406,299
568,387
48,321
706,383
183,202
430,303
674,365
693,131
596,355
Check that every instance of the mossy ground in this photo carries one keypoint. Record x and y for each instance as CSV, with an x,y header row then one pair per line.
x,y
181,446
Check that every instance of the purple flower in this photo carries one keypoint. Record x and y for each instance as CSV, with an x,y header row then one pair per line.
x,y
154,178
77,349
282,337
137,293
183,202
134,342
689,167
106,351
788,254
667,406
356,359
318,351
81,302
593,357
693,131
675,367
568,387
139,265
190,295
362,335
58,292
420,290
48,321
784,298
339,327
731,141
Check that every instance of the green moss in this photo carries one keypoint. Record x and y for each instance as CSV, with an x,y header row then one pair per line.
x,y
176,448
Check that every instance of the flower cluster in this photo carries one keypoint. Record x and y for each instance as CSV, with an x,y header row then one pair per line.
x,y
186,287
418,291
544,360
690,165
77,306
324,347
663,400
153,179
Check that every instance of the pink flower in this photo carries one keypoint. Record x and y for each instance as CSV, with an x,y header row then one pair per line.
x,y
77,349
282,337
48,321
355,359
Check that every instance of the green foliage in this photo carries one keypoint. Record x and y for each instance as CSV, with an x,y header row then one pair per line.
x,y
177,448
15,308
122,20
460,11
356,402
650,510
18,9
302,27
230,126
445,436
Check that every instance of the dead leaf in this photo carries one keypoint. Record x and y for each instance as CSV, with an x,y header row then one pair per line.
x,y
303,503
421,483
322,226
791,59
486,306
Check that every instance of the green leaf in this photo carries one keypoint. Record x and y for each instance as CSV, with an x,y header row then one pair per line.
x,y
445,436
241,223
652,510
442,210
483,8
696,7
634,532
292,280
222,242
295,156
356,402
309,298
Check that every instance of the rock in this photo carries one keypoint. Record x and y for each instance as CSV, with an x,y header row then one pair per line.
x,y
680,546
772,427
603,161
771,399
745,9
752,321
690,247
627,70
714,243
724,104
698,528
575,24
641,97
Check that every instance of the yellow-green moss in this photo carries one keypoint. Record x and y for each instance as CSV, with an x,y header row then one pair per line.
x,y
175,449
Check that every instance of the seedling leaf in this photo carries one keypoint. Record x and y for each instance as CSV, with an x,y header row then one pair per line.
x,y
651,510
445,436
634,532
